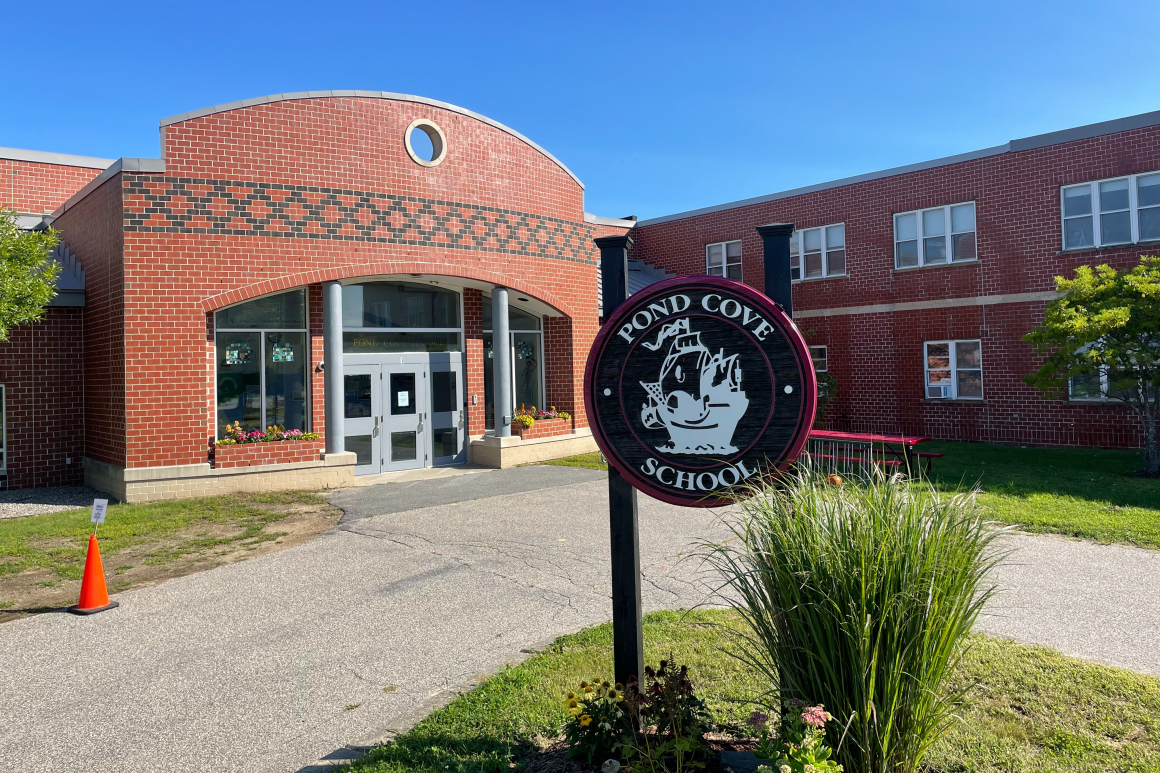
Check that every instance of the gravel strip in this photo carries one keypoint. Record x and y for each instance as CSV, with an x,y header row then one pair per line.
x,y
24,502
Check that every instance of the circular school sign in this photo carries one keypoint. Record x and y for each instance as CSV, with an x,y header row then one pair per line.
x,y
697,384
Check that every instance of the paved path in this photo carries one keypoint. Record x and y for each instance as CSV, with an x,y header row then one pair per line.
x,y
275,663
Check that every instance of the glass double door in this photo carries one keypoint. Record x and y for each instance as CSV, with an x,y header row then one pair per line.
x,y
402,416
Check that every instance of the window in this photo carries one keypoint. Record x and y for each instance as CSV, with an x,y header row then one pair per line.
x,y
261,363
1094,388
723,259
818,355
1104,213
954,370
527,357
396,317
931,237
816,253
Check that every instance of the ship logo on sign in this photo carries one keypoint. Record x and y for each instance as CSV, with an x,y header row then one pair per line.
x,y
697,398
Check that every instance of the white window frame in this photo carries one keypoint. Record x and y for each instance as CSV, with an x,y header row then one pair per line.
x,y
949,234
797,254
1093,187
824,348
951,392
725,264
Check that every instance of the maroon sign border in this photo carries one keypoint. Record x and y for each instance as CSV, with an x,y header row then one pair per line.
x,y
774,314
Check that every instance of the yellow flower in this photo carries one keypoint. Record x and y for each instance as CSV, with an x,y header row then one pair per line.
x,y
583,685
604,685
613,696
587,689
585,720
619,686
571,695
572,704
573,712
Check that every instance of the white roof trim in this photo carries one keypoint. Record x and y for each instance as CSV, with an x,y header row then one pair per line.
x,y
1089,131
58,159
613,221
147,165
365,95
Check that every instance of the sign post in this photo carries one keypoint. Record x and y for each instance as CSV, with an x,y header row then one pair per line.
x,y
627,635
694,387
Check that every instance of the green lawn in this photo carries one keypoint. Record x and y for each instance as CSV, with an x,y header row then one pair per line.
x,y
1035,710
1078,492
591,461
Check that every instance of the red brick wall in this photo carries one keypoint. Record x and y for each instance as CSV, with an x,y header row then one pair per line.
x,y
877,358
35,188
297,193
92,229
41,368
277,452
473,358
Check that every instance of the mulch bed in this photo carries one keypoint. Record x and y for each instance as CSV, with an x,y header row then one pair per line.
x,y
553,758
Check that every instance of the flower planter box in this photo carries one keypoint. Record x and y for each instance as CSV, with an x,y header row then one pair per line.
x,y
543,428
273,452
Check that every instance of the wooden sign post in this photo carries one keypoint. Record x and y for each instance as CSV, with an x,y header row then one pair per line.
x,y
694,386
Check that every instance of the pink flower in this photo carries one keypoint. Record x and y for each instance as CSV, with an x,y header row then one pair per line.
x,y
816,716
758,720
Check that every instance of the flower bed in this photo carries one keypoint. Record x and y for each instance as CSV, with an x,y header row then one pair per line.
x,y
277,452
543,428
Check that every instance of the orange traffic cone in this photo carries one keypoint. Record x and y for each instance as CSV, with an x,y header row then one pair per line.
x,y
94,594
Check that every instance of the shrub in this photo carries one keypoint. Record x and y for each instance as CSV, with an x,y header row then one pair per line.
x,y
859,597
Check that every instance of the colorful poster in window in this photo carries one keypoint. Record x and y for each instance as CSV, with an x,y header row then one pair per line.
x,y
238,354
282,353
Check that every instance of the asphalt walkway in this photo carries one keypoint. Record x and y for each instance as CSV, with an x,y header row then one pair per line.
x,y
280,662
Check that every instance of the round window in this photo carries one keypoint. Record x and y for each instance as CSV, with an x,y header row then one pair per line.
x,y
425,142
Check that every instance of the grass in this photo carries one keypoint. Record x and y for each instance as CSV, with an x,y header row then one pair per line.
x,y
1035,710
1087,493
1084,493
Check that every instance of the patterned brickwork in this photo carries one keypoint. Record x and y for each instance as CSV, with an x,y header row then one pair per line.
x,y
33,188
877,358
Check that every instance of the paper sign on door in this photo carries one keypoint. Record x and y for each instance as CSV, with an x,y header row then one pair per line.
x,y
404,399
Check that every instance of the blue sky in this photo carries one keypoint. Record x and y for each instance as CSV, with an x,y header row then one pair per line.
x,y
657,107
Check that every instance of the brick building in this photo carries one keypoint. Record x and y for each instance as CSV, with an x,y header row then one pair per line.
x,y
387,233
915,285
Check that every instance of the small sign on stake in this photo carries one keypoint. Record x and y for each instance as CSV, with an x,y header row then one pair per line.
x,y
99,508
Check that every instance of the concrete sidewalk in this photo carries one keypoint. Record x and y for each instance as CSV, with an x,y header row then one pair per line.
x,y
276,663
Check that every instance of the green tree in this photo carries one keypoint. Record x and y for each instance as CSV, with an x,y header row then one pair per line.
x,y
27,275
1106,325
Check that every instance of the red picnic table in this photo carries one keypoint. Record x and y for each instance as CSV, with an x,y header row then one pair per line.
x,y
829,444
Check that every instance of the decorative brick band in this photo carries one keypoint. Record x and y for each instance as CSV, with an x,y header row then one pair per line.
x,y
155,204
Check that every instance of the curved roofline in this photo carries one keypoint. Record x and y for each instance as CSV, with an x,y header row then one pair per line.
x,y
366,95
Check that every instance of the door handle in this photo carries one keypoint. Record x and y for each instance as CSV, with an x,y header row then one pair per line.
x,y
375,433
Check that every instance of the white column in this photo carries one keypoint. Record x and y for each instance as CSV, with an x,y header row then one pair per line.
x,y
332,372
502,362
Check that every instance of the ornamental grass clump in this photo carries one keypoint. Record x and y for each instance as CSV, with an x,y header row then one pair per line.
x,y
859,597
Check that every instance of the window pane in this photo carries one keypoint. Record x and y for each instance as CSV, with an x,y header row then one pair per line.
x,y
934,250
1086,387
1150,223
835,262
813,264
1116,228
394,343
1077,201
402,446
446,442
716,270
795,269
357,396
1078,232
733,250
818,355
905,227
906,254
286,380
734,271
443,391
970,383
285,310
967,354
360,446
239,381
1113,195
517,320
813,239
934,222
962,218
715,259
399,304
964,246
938,356
527,358
835,236
402,394
1148,190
